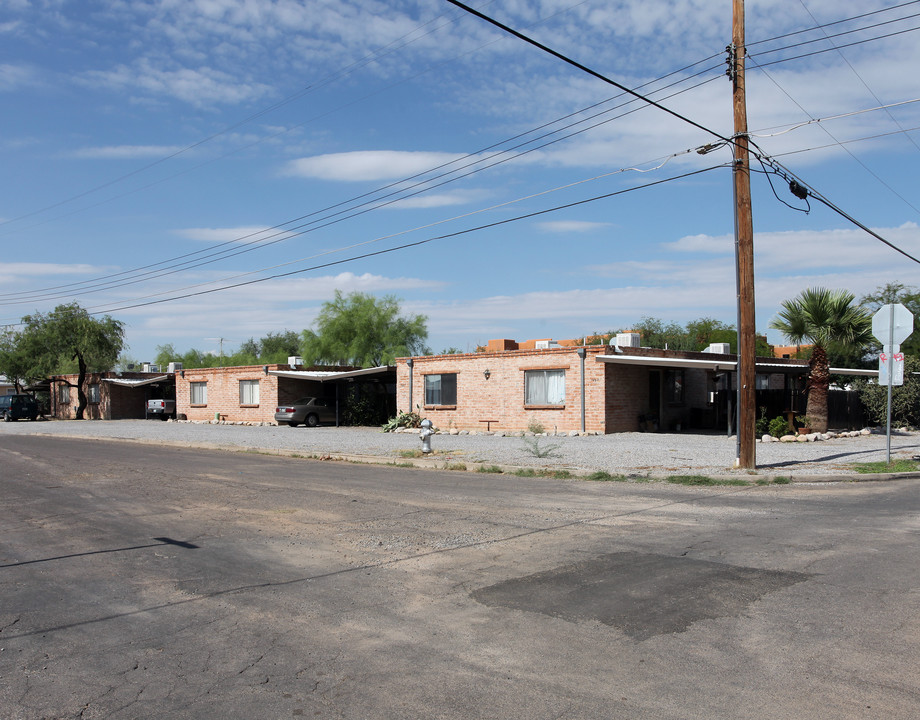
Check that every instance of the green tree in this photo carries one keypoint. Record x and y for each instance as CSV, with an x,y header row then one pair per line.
x,y
278,347
68,338
15,363
905,399
829,321
360,329
165,355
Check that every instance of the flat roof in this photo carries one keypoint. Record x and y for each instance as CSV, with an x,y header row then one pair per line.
x,y
324,375
717,364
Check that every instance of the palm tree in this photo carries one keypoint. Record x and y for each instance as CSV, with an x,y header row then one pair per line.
x,y
828,320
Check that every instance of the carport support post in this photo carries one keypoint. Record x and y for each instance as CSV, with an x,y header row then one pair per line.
x,y
581,354
409,363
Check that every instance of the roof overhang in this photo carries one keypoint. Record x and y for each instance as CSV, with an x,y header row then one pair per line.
x,y
327,375
717,365
671,362
136,382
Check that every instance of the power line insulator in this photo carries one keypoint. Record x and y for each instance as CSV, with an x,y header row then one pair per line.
x,y
731,60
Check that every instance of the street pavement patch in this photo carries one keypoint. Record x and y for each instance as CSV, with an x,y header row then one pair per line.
x,y
643,595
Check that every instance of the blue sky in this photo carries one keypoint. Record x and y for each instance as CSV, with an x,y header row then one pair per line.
x,y
153,149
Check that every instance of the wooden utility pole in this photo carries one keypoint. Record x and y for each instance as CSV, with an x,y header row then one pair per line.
x,y
744,248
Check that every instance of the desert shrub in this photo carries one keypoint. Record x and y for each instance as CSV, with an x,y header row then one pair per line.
x,y
778,427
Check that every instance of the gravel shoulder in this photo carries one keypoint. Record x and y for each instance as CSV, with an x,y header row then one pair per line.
x,y
646,454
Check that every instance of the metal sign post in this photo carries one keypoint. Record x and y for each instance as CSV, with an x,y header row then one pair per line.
x,y
891,325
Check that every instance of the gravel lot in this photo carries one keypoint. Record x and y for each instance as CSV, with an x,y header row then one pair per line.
x,y
636,453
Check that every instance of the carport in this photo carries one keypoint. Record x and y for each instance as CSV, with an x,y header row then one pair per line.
x,y
709,386
374,387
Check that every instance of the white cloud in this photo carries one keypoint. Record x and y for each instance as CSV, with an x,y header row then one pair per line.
x,y
432,201
12,77
201,86
570,226
230,234
368,165
125,152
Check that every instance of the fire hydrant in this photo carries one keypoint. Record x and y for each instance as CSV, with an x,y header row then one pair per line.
x,y
425,436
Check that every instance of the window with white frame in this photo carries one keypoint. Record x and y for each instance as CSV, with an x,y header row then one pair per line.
x,y
198,393
63,394
93,394
761,381
249,392
544,387
441,389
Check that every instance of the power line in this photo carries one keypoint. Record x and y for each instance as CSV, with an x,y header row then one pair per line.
x,y
801,185
412,244
840,34
661,162
830,24
284,231
845,149
862,80
347,70
802,189
583,68
830,49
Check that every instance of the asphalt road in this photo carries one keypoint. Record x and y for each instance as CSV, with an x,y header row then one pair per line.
x,y
145,582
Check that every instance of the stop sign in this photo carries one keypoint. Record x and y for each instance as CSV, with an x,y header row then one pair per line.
x,y
892,324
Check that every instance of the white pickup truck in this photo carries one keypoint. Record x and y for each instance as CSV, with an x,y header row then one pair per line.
x,y
164,409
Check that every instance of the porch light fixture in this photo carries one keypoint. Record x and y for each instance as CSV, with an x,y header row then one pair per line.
x,y
486,373
265,369
182,373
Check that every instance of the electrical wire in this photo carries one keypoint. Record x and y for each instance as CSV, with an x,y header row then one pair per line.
x,y
661,163
831,49
800,184
416,243
865,167
840,34
284,231
583,68
830,24
841,143
862,80
795,126
800,187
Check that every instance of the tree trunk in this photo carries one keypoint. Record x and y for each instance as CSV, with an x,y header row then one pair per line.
x,y
818,383
81,393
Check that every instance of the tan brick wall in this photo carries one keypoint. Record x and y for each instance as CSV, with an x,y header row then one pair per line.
x,y
501,396
627,394
224,393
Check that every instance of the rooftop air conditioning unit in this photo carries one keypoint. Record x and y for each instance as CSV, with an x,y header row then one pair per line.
x,y
627,340
174,367
719,348
541,344
295,360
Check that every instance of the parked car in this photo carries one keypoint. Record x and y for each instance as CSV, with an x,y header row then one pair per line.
x,y
18,407
309,410
164,409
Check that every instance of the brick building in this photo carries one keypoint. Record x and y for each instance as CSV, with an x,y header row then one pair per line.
x,y
110,395
250,393
566,386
